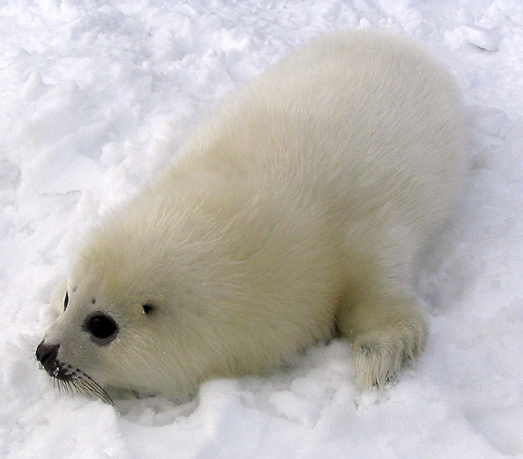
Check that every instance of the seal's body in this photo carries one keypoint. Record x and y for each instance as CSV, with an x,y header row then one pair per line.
x,y
298,208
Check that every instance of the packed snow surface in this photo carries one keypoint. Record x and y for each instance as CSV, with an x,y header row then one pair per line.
x,y
96,96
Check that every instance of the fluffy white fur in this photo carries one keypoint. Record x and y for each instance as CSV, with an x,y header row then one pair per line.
x,y
299,208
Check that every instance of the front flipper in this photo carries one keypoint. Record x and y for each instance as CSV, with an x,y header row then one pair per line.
x,y
386,329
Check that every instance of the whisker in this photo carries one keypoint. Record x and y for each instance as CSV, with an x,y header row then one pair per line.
x,y
74,381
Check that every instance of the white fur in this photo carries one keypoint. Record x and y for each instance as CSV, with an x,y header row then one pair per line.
x,y
300,206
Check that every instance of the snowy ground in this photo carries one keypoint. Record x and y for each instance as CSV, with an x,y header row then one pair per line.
x,y
95,96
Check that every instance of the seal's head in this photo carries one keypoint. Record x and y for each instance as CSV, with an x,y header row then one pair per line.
x,y
118,311
146,307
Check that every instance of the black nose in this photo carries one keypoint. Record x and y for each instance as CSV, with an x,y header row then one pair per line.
x,y
47,355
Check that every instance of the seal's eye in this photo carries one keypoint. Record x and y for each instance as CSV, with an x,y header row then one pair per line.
x,y
66,300
147,308
101,326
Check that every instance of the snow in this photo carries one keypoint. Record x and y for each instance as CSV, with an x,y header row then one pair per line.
x,y
96,96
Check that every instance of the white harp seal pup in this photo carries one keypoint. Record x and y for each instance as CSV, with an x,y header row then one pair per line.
x,y
296,211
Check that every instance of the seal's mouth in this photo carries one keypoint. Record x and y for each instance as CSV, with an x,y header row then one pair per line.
x,y
68,378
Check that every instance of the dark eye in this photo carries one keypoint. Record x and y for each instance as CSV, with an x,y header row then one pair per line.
x,y
147,308
66,300
101,326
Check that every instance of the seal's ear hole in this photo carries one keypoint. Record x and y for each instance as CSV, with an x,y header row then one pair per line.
x,y
102,327
66,300
147,308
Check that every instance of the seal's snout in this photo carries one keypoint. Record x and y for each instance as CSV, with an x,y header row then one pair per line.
x,y
47,355
70,377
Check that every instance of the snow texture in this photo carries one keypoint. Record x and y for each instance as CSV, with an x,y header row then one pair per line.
x,y
96,96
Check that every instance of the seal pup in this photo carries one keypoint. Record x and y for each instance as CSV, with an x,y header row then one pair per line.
x,y
297,209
